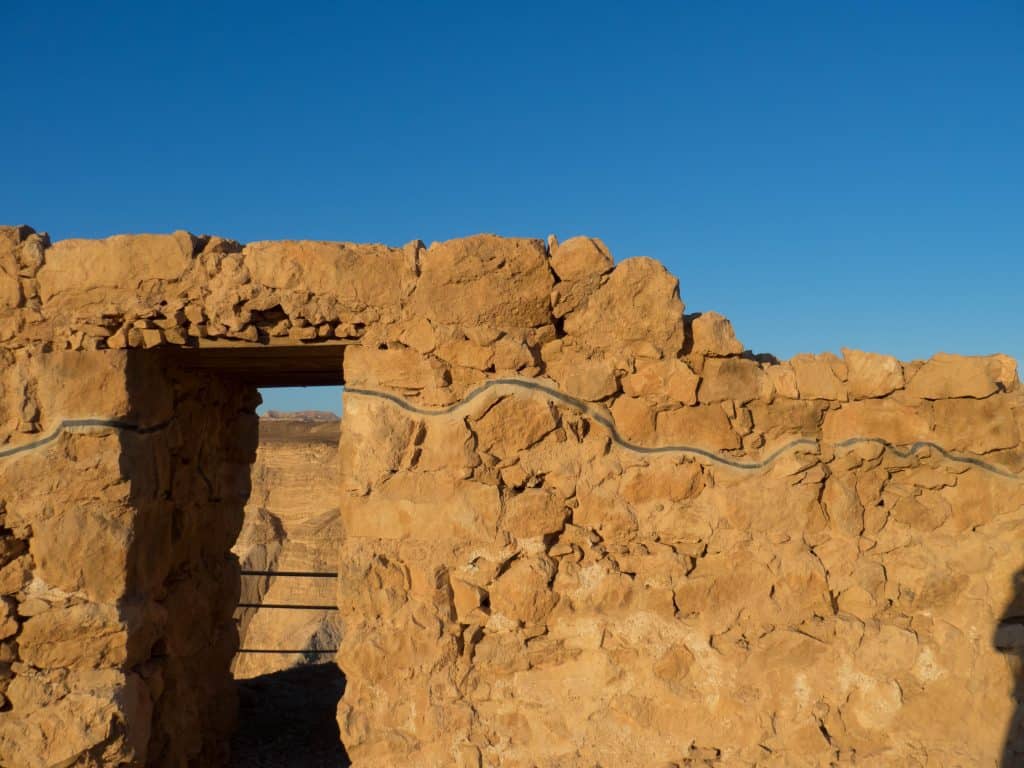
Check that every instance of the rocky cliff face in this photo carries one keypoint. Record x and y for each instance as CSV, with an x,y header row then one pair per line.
x,y
291,524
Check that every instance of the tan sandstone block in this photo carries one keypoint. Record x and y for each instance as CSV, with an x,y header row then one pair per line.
x,y
731,378
468,600
701,426
784,417
522,593
484,279
10,286
534,512
358,275
947,375
872,375
402,368
713,336
79,384
118,266
978,426
514,424
88,635
581,257
580,264
888,420
783,380
588,378
636,312
8,618
427,507
671,378
818,376
634,419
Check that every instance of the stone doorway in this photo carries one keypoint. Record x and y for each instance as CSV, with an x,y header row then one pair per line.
x,y
288,681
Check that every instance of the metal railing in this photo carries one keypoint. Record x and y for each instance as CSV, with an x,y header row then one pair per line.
x,y
290,607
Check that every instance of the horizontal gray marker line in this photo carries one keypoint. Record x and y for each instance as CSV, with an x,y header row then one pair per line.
x,y
555,394
71,424
617,438
915,447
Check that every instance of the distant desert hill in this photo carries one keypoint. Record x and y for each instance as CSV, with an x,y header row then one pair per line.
x,y
291,524
301,416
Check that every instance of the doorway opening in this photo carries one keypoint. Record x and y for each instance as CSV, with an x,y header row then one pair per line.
x,y
285,673
288,682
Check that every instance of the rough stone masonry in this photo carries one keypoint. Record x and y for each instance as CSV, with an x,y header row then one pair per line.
x,y
579,527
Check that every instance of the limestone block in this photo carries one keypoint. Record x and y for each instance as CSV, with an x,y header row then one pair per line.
x,y
721,587
501,282
783,380
872,375
59,734
401,368
513,424
375,437
955,376
8,618
581,257
118,268
635,419
842,504
522,594
820,376
15,575
702,426
579,263
577,374
469,600
888,420
663,378
637,312
664,479
534,512
978,426
98,565
10,286
89,635
426,507
732,378
467,353
81,384
713,336
448,445
357,276
784,417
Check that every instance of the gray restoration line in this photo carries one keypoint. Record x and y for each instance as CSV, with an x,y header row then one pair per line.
x,y
73,425
557,395
608,423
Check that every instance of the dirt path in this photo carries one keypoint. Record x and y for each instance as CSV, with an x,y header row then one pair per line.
x,y
287,720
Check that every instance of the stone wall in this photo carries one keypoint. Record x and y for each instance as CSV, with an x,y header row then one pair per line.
x,y
117,582
580,527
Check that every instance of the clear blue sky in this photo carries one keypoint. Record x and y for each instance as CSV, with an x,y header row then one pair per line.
x,y
823,173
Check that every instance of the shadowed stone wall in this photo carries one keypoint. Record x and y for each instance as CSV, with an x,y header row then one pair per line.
x,y
118,585
579,526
